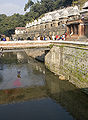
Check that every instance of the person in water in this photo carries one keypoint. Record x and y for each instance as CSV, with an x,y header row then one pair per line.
x,y
17,82
19,74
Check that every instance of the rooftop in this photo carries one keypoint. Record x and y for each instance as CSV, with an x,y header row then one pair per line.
x,y
85,5
20,28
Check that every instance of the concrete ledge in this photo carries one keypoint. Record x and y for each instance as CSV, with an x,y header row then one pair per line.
x,y
70,42
26,41
49,41
33,44
23,44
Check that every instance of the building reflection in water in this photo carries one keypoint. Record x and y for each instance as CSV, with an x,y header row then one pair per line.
x,y
39,82
17,82
1,78
66,94
1,61
1,66
19,61
23,78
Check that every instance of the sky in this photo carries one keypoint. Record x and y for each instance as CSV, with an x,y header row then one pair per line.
x,y
9,7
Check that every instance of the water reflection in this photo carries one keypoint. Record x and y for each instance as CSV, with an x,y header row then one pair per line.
x,y
17,83
1,78
1,62
14,62
22,94
1,65
26,79
66,94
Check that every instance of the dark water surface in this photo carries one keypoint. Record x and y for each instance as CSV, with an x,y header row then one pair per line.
x,y
28,91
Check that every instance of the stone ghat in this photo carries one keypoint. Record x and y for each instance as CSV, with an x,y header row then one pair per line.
x,y
70,60
23,44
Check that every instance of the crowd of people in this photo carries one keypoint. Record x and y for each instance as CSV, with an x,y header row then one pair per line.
x,y
4,38
53,37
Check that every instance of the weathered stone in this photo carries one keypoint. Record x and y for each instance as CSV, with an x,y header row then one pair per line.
x,y
62,77
71,62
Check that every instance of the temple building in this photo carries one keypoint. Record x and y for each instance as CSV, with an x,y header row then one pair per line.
x,y
77,26
85,5
70,20
52,23
19,32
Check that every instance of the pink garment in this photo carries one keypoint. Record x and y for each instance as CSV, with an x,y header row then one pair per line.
x,y
56,36
17,83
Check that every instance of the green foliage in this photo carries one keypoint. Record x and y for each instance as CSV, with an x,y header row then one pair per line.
x,y
79,2
39,8
30,3
8,23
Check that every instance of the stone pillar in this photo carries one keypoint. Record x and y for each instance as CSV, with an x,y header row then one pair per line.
x,y
71,28
86,29
56,23
68,31
81,29
31,28
36,34
43,26
75,30
38,27
28,29
49,25
34,28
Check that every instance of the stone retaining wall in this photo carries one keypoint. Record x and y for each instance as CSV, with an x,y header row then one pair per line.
x,y
70,61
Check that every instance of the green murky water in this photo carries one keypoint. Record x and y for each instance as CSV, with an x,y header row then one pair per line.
x,y
29,91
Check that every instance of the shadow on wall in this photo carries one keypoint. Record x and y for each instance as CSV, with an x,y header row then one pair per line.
x,y
42,57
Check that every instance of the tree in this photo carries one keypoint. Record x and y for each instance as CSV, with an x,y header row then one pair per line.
x,y
48,4
29,4
8,23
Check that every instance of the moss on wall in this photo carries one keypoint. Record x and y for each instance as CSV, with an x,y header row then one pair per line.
x,y
71,62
